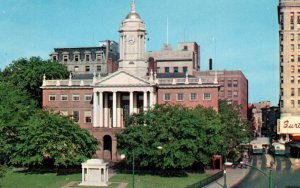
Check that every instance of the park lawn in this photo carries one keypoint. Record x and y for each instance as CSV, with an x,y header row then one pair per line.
x,y
51,180
36,180
152,181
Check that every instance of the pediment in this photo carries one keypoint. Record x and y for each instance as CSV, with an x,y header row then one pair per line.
x,y
122,78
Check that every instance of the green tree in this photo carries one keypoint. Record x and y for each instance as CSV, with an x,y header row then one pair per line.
x,y
28,74
182,133
53,139
236,128
29,136
15,109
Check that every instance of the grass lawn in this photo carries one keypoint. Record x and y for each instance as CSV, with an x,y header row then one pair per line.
x,y
51,180
152,181
34,180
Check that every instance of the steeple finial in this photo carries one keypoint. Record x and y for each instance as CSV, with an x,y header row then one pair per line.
x,y
133,6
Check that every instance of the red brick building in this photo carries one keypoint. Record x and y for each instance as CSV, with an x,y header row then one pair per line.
x,y
100,104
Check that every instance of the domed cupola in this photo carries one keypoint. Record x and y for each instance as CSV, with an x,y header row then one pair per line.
x,y
132,21
132,43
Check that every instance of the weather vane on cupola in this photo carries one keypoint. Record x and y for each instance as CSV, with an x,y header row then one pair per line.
x,y
133,6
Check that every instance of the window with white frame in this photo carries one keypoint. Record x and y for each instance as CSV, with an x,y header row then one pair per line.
x,y
87,97
193,96
76,57
76,116
179,96
64,97
167,96
99,56
87,68
98,67
52,97
54,58
207,96
76,97
65,58
76,68
87,57
88,117
63,113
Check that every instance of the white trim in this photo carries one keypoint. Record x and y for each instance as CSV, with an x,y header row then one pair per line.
x,y
49,97
177,97
75,95
78,115
169,97
61,97
206,99
87,95
196,97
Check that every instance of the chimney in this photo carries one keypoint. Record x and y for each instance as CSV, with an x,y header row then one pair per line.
x,y
210,63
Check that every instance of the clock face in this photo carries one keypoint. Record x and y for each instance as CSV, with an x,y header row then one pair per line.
x,y
131,40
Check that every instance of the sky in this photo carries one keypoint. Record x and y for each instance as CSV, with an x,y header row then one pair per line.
x,y
237,34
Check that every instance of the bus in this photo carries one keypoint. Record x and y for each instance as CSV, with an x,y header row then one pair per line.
x,y
259,145
277,149
257,148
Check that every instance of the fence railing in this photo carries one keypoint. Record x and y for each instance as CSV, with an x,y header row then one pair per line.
x,y
208,180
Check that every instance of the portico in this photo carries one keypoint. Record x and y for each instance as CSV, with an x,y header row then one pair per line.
x,y
119,95
113,105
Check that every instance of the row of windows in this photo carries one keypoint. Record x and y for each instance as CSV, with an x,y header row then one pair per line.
x,y
292,104
230,94
293,47
175,69
87,57
292,92
76,116
87,68
192,96
292,69
230,83
75,97
292,58
292,19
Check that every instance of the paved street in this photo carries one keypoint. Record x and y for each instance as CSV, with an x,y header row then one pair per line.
x,y
285,173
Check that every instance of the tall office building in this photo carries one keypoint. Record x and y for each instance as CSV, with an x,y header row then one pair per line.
x,y
289,40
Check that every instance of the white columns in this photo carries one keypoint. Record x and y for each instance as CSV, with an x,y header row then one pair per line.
x,y
96,110
131,100
82,175
118,110
145,98
151,100
135,99
114,108
101,108
106,123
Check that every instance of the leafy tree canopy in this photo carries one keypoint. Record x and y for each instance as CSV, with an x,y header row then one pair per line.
x,y
28,135
28,74
15,109
48,137
183,134
236,130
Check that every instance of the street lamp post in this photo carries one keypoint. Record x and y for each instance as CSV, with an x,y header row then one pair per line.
x,y
132,168
269,177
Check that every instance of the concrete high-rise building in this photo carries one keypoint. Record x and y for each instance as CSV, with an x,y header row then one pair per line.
x,y
289,40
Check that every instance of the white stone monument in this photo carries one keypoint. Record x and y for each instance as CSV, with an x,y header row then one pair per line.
x,y
94,173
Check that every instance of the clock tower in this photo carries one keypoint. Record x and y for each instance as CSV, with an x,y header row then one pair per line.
x,y
132,44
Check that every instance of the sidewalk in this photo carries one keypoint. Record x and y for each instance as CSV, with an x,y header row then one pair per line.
x,y
233,176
